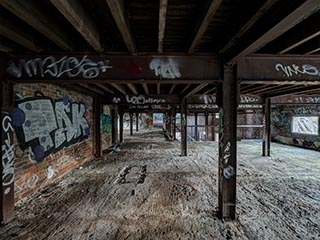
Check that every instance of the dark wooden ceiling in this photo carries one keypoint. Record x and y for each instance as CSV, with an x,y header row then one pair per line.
x,y
229,29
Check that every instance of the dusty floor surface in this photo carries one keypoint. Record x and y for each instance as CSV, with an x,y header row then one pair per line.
x,y
147,191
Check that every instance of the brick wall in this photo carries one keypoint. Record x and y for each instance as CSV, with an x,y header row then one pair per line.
x,y
49,141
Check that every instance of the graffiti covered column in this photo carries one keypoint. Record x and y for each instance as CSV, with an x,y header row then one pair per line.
x,y
7,154
227,145
267,127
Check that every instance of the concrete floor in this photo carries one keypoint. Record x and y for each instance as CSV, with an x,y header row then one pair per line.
x,y
147,191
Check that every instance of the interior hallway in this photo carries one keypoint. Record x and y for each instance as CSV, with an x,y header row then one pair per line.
x,y
147,191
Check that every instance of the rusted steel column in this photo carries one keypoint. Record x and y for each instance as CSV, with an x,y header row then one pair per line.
x,y
227,145
97,111
174,123
131,124
7,154
121,125
267,127
196,126
114,123
168,123
206,123
184,114
137,122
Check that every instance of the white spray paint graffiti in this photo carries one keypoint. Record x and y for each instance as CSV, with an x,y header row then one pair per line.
x,y
305,125
139,100
165,69
143,100
57,67
202,106
51,172
208,99
7,153
307,100
290,70
248,99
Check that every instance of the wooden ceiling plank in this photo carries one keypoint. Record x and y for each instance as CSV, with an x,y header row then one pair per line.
x,y
132,88
145,87
265,8
91,88
105,88
119,14
162,23
118,87
313,51
302,12
172,88
186,87
195,90
31,13
75,13
307,30
14,32
215,4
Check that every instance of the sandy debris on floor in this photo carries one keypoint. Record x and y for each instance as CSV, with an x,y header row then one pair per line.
x,y
147,191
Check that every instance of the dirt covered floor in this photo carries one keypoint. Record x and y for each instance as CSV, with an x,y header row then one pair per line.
x,y
147,191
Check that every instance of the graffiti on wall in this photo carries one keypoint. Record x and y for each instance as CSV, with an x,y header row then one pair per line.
x,y
305,125
48,125
165,68
7,150
58,67
291,70
139,100
106,120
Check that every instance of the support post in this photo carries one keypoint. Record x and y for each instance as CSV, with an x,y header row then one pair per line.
x,y
174,123
227,145
184,114
137,122
131,124
196,126
7,153
97,109
121,125
206,123
114,124
170,123
267,127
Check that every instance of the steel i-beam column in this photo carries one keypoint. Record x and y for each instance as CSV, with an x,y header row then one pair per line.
x,y
7,154
184,114
267,127
131,124
227,145
121,125
137,122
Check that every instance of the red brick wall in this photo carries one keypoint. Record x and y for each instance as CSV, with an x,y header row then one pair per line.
x,y
30,175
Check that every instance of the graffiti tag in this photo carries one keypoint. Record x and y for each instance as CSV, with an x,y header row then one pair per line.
x,y
59,66
165,69
290,70
7,153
